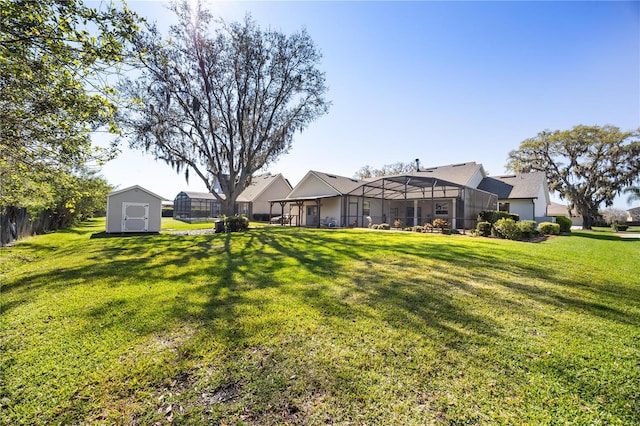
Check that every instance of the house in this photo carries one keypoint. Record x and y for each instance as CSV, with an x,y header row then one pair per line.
x,y
320,199
633,215
253,201
525,194
134,209
455,193
557,209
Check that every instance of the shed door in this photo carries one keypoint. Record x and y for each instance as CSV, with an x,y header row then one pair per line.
x,y
135,217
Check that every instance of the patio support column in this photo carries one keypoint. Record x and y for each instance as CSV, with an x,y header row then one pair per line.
x,y
300,205
453,216
270,210
415,212
433,205
318,204
406,181
382,205
282,203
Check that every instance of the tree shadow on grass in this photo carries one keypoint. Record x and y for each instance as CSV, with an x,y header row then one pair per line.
x,y
341,278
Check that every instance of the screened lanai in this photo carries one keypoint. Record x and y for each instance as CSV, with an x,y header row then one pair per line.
x,y
416,200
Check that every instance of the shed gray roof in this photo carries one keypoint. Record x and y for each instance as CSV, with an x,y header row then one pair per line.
x,y
520,186
135,187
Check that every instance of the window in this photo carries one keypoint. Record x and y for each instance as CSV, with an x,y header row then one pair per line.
x,y
503,207
366,208
442,208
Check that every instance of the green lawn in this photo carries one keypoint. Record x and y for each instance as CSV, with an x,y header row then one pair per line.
x,y
306,326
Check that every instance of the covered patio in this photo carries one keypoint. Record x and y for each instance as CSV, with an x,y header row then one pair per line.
x,y
416,200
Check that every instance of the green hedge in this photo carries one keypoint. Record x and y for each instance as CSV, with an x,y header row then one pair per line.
x,y
236,223
549,228
527,228
492,216
507,228
483,229
565,224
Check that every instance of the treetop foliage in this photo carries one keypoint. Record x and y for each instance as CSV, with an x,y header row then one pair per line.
x,y
588,165
387,170
54,55
221,99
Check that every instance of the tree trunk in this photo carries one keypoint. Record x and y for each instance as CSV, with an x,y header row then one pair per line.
x,y
587,219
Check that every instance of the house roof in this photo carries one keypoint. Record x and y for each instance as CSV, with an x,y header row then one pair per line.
x,y
557,209
136,187
461,173
341,184
520,186
634,211
258,185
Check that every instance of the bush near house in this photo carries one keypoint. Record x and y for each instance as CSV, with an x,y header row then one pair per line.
x,y
440,224
565,224
549,228
483,229
236,223
492,216
527,228
507,228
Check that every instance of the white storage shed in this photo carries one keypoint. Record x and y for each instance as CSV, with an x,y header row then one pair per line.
x,y
134,209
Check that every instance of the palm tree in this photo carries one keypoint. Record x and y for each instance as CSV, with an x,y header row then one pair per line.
x,y
634,192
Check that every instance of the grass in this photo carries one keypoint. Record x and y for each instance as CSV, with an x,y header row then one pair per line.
x,y
306,326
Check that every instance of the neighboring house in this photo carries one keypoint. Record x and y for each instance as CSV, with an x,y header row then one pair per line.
x,y
633,215
134,209
525,194
556,209
456,193
252,202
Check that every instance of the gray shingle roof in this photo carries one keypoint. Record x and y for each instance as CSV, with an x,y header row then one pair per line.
x,y
258,185
460,174
341,184
525,185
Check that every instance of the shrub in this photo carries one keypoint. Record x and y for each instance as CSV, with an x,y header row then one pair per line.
x,y
619,227
507,228
427,227
492,216
236,223
549,228
397,223
527,228
483,229
418,228
565,224
384,226
440,223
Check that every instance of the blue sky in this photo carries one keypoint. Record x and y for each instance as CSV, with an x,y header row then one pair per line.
x,y
446,82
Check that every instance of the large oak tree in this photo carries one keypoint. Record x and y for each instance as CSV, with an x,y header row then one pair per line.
x,y
586,165
222,100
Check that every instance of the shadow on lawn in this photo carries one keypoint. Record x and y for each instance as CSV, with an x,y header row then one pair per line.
x,y
415,284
